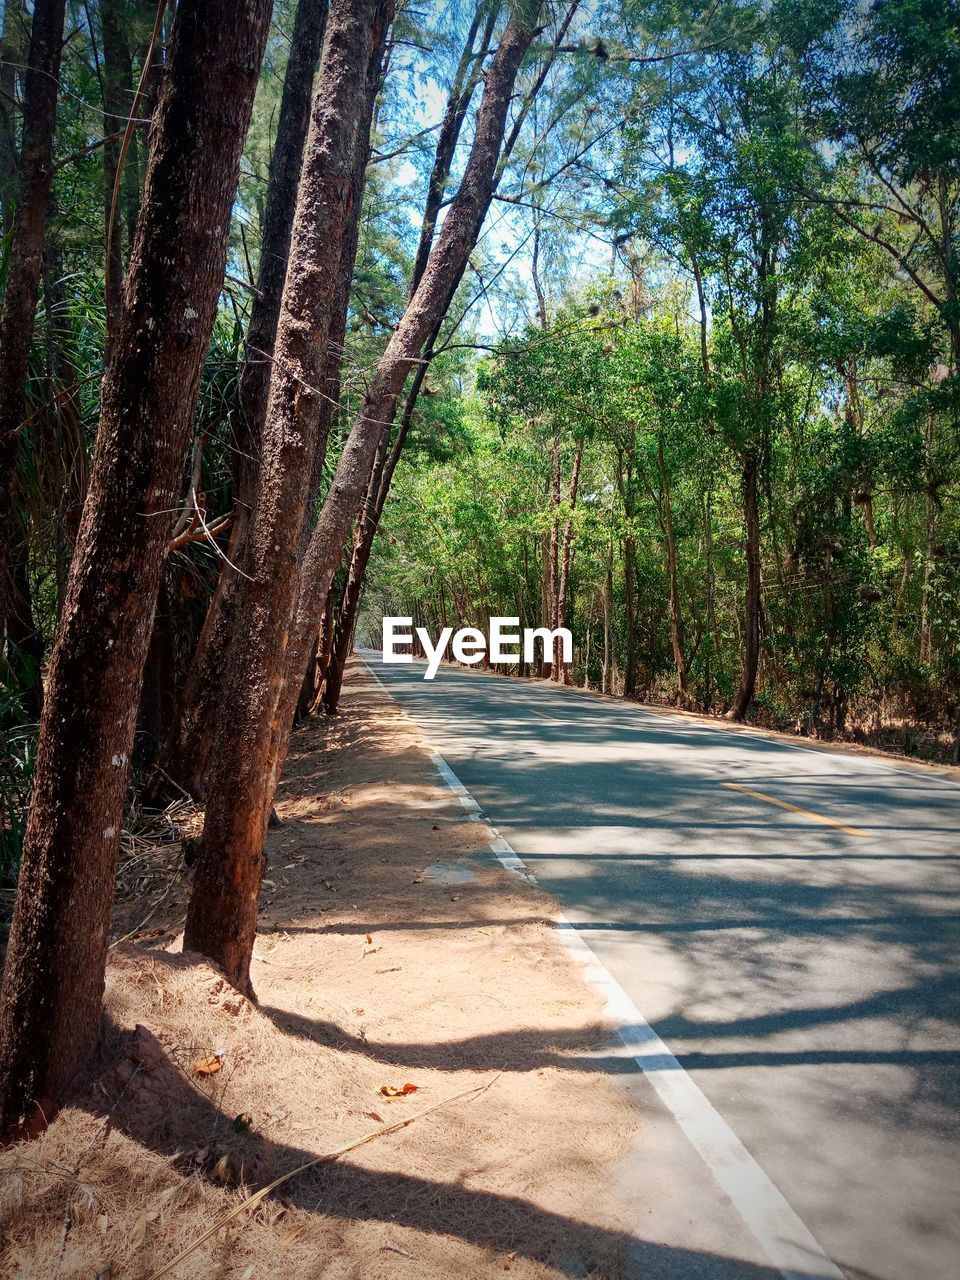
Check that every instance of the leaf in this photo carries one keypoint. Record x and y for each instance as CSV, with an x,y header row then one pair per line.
x,y
208,1066
369,938
391,1091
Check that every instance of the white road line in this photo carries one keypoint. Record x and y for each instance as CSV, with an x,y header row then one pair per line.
x,y
787,1242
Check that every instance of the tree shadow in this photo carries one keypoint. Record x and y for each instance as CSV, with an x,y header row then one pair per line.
x,y
160,1104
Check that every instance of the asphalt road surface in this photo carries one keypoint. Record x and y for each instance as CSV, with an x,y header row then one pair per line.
x,y
786,919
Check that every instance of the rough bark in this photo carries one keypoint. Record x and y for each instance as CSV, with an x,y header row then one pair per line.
x,y
186,755
26,252
53,980
751,599
221,919
257,711
117,100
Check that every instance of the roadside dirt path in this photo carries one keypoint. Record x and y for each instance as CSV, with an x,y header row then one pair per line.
x,y
393,951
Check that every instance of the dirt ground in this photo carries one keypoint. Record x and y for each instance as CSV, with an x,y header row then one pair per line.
x,y
393,951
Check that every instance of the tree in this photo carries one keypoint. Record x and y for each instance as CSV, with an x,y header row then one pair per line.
x,y
188,751
267,669
26,250
53,978
221,920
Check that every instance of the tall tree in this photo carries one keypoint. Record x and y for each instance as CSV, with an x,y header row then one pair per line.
x,y
54,973
26,253
117,79
221,920
187,753
264,681
465,80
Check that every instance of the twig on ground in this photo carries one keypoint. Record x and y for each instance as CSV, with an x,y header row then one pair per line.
x,y
252,1201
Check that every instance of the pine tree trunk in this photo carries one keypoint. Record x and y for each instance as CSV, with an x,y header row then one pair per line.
x,y
221,919
676,623
467,77
363,546
266,671
415,333
629,573
751,601
552,566
117,103
187,753
53,980
561,674
25,263
607,683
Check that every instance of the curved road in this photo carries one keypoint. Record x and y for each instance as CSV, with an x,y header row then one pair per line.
x,y
786,918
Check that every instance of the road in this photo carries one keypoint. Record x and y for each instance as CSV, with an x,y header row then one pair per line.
x,y
786,919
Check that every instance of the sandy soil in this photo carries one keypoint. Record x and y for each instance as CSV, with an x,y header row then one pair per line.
x,y
370,971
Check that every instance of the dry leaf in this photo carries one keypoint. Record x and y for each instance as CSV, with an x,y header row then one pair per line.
x,y
369,938
391,1091
139,1232
208,1066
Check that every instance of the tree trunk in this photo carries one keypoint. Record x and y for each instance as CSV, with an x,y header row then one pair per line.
x,y
751,602
560,673
13,44
929,533
24,638
465,81
186,755
221,919
363,546
53,980
267,668
117,102
676,624
630,587
25,262
552,566
605,682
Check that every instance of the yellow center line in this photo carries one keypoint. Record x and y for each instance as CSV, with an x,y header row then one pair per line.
x,y
806,813
545,715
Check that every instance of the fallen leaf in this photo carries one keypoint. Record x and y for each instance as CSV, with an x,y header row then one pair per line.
x,y
208,1066
372,1115
139,1232
391,1091
369,938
